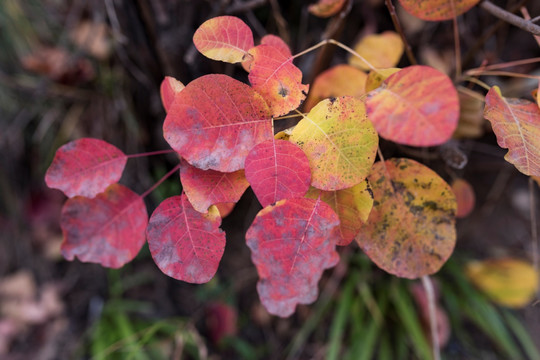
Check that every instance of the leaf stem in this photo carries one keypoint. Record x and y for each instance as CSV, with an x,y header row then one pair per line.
x,y
165,177
397,25
288,116
477,82
502,73
428,286
151,153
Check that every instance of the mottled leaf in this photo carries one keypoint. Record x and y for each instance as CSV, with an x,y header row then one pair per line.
x,y
437,10
326,8
410,231
205,188
276,170
224,38
291,245
339,141
168,89
464,196
352,205
380,50
185,244
340,80
376,78
215,121
108,229
509,282
516,123
416,106
85,167
277,79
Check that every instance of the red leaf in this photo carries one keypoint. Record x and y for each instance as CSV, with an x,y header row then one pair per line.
x,y
205,188
108,229
277,79
184,243
215,121
168,89
271,40
85,167
437,10
225,38
291,244
465,197
416,106
276,170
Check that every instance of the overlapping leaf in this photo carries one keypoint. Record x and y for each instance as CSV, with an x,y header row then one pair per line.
x,y
516,123
168,89
380,50
85,167
416,106
205,188
272,40
108,229
276,170
277,79
352,206
464,196
326,8
339,141
340,80
291,244
411,229
437,10
215,121
224,38
376,78
185,244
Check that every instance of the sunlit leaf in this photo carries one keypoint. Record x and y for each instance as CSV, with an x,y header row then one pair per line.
x,y
326,8
291,245
437,10
509,282
516,123
416,106
410,231
108,229
224,38
272,40
380,50
376,78
215,121
168,89
85,167
205,188
352,206
340,80
339,141
276,170
277,79
185,244
464,196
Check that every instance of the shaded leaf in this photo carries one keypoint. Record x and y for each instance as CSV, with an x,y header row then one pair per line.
x,y
224,38
516,123
464,196
416,106
272,40
340,80
277,79
205,188
215,121
85,167
276,170
437,10
326,8
411,229
380,50
185,244
168,89
339,141
225,209
291,245
471,117
509,282
376,78
352,206
108,229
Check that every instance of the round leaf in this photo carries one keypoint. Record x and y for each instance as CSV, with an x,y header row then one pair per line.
x,y
437,10
326,8
380,50
108,229
411,229
464,196
185,244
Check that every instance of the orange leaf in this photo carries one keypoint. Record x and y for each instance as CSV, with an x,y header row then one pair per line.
x,y
411,229
464,196
224,38
437,10
340,80
416,106
326,8
516,123
271,40
380,50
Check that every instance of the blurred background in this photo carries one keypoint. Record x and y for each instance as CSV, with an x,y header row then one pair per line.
x,y
74,68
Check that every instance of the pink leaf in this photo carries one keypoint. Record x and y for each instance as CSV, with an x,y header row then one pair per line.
x,y
168,90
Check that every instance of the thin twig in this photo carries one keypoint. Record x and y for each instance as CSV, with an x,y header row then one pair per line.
x,y
428,286
151,153
527,17
477,82
510,18
399,29
506,64
502,73
457,44
534,229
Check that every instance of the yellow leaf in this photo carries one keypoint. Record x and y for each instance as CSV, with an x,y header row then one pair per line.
x,y
376,78
380,50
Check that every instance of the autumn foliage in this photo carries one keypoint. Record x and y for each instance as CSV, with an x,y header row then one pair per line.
x,y
318,183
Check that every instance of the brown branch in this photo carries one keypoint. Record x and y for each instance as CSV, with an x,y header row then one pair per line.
x,y
397,25
510,18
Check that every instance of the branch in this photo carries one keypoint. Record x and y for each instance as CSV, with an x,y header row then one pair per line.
x,y
510,18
